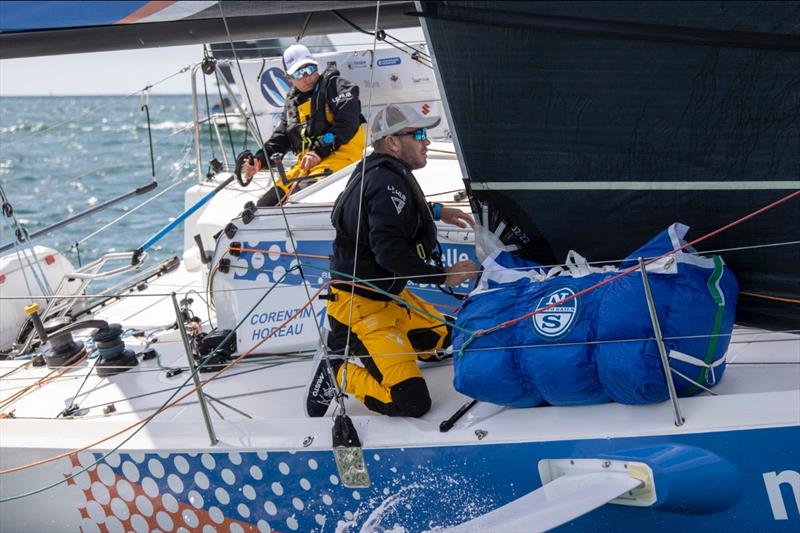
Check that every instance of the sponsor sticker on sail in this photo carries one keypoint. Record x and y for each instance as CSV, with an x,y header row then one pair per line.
x,y
388,61
558,320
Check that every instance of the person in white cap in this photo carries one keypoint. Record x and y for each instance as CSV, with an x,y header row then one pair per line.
x,y
389,240
321,124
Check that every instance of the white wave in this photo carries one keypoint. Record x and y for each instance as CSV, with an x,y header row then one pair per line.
x,y
166,125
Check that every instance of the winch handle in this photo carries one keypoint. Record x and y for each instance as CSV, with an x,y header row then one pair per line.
x,y
325,172
247,156
277,161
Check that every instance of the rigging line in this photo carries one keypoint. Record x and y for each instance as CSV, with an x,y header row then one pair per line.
x,y
181,404
140,424
41,382
205,301
446,192
635,268
695,252
768,297
632,340
340,390
305,27
23,258
261,251
75,397
23,243
208,108
260,139
267,366
359,29
106,104
693,382
521,269
210,403
225,114
267,362
356,282
411,277
134,209
13,370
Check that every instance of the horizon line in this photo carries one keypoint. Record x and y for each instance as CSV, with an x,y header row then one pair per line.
x,y
89,94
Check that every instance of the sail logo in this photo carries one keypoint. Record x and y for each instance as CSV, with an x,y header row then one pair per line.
x,y
556,321
274,86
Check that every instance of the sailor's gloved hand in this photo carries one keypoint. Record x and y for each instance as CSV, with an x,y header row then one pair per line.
x,y
456,217
461,272
488,242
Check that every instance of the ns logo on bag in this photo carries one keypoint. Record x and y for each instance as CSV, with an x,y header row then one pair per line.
x,y
558,320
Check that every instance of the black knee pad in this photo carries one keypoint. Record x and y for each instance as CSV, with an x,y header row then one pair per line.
x,y
270,198
423,339
411,397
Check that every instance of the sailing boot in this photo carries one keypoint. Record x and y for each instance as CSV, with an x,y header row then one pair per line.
x,y
322,387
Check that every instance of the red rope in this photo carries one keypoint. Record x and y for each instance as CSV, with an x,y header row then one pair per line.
x,y
267,252
768,297
635,268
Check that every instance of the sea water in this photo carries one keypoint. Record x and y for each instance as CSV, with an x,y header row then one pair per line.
x,y
62,155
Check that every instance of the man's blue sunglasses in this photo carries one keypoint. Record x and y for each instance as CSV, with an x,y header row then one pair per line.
x,y
304,71
419,135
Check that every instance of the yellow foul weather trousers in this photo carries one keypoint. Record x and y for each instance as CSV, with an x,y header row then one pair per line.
x,y
387,337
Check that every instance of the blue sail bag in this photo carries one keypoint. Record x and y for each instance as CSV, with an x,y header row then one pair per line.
x,y
597,346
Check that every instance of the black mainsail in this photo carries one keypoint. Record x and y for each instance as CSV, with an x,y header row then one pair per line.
x,y
594,125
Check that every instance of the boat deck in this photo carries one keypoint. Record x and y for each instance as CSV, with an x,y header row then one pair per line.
x,y
762,366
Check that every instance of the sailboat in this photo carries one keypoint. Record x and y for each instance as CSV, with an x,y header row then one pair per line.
x,y
560,119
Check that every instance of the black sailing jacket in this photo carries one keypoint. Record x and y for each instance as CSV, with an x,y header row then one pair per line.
x,y
331,91
397,233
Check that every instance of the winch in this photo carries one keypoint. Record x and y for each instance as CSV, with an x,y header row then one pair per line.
x,y
64,350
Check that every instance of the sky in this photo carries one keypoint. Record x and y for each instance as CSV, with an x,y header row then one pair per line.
x,y
119,72
123,72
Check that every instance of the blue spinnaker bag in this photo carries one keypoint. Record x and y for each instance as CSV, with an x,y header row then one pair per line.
x,y
596,347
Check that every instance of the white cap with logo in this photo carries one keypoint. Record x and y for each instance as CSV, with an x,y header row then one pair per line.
x,y
395,118
297,56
